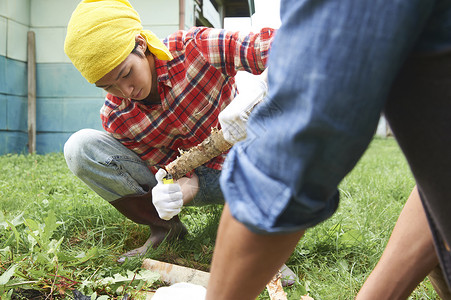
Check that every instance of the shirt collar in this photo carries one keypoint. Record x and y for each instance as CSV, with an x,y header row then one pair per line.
x,y
162,72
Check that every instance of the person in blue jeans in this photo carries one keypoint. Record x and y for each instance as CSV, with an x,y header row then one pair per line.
x,y
334,67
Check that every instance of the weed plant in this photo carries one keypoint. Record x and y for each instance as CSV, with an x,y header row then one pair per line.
x,y
57,236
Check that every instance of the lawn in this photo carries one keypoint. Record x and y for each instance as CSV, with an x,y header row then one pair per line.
x,y
57,235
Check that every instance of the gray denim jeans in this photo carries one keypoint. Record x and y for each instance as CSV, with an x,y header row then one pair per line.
x,y
113,171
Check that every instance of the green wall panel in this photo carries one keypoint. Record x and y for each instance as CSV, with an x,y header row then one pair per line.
x,y
13,142
13,106
3,110
2,74
68,114
63,80
51,142
17,115
16,77
65,104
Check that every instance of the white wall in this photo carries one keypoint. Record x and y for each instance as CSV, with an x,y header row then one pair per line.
x,y
14,22
159,16
49,18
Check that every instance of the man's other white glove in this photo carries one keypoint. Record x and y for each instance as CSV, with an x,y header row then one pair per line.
x,y
167,198
233,118
181,291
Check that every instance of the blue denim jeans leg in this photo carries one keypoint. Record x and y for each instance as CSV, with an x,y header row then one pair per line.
x,y
109,168
114,171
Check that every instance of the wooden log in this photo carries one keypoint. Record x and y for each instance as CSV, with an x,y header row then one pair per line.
x,y
211,147
215,144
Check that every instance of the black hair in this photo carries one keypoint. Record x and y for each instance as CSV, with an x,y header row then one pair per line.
x,y
136,52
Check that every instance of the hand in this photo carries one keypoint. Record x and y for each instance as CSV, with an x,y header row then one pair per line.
x,y
167,198
233,118
180,291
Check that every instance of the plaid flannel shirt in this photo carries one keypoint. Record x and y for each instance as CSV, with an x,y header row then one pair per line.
x,y
194,87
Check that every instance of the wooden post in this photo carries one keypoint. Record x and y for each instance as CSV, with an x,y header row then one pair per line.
x,y
182,14
31,50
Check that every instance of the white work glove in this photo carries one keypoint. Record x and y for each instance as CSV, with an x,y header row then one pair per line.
x,y
167,198
181,291
233,118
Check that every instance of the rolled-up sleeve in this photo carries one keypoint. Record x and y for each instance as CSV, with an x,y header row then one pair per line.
x,y
330,71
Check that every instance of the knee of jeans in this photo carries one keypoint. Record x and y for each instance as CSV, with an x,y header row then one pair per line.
x,y
75,149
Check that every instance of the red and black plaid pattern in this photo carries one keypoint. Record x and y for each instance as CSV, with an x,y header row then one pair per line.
x,y
194,87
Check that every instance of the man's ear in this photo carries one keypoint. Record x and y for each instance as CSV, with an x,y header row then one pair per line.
x,y
142,46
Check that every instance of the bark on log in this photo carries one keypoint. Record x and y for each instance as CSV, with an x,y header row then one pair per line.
x,y
211,147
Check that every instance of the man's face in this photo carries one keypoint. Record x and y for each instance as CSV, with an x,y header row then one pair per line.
x,y
132,78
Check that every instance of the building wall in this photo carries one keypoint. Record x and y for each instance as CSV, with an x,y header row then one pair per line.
x,y
14,22
65,101
190,19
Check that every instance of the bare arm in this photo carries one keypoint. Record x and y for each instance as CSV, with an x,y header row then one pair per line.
x,y
244,262
190,187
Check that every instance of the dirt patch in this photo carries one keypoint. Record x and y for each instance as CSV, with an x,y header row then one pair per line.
x,y
21,294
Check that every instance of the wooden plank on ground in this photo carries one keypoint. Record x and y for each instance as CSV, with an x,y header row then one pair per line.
x,y
275,289
172,274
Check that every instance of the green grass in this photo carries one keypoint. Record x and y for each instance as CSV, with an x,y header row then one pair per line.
x,y
42,204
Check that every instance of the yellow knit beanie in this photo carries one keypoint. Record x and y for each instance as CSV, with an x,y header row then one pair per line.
x,y
101,34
